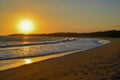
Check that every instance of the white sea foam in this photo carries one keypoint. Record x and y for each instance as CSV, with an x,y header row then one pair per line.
x,y
103,41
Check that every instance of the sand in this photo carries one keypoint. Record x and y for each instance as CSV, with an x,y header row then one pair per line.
x,y
100,63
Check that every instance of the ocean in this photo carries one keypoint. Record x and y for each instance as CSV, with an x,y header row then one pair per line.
x,y
16,51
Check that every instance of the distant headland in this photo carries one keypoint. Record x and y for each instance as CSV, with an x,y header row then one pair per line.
x,y
110,33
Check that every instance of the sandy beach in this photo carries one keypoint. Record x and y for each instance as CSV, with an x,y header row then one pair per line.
x,y
101,63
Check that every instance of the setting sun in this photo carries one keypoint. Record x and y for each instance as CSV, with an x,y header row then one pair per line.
x,y
26,26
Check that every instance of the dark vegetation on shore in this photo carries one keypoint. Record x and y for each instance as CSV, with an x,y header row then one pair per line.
x,y
110,33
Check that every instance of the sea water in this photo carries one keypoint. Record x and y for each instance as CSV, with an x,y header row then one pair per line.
x,y
17,51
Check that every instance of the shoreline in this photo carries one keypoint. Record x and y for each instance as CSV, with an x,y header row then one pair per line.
x,y
23,62
99,62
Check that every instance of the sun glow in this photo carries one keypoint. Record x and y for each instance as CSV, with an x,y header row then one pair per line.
x,y
26,26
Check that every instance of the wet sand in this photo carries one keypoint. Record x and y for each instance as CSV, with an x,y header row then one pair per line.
x,y
102,63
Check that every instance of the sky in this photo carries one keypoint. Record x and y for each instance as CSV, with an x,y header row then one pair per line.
x,y
51,16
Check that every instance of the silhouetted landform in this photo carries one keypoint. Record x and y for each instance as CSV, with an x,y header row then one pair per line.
x,y
111,33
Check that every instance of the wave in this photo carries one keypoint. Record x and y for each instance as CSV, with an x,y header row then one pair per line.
x,y
39,43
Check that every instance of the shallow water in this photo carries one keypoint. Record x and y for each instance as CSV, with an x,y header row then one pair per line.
x,y
45,49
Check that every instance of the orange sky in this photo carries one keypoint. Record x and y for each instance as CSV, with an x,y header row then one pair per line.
x,y
60,15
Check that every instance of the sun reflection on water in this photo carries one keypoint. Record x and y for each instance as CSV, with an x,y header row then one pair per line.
x,y
28,61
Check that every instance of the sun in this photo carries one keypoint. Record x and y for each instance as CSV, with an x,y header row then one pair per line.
x,y
26,26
